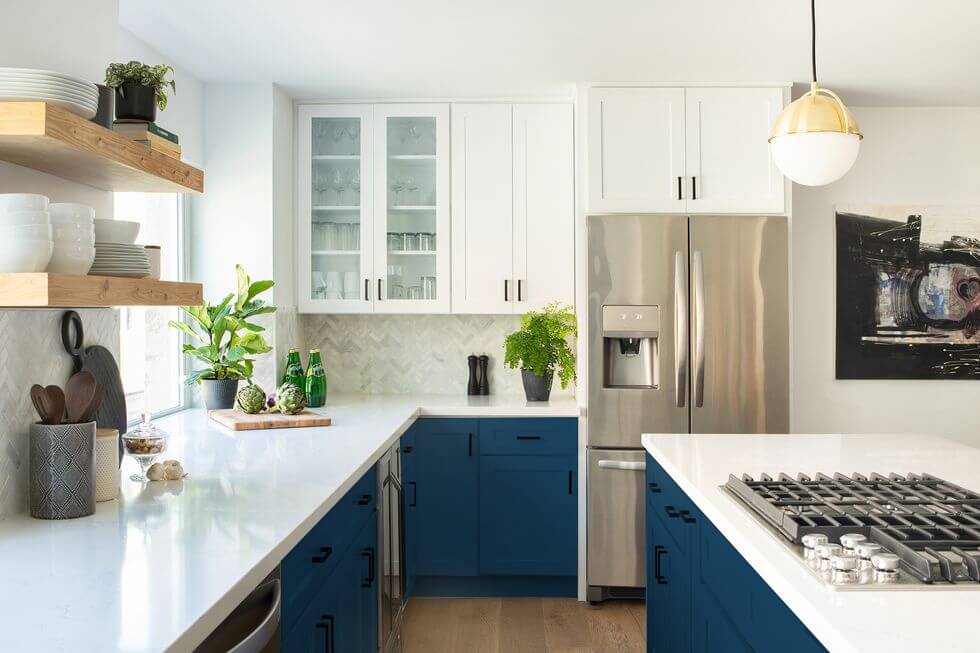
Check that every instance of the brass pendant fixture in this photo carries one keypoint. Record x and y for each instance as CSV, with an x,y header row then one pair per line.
x,y
816,139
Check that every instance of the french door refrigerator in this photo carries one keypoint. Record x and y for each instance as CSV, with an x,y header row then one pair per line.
x,y
688,333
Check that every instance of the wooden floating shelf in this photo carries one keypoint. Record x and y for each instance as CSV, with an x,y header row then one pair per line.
x,y
56,141
47,289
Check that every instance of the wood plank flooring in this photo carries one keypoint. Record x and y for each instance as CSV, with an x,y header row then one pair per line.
x,y
518,625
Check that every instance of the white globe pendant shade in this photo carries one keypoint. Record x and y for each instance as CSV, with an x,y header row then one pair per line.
x,y
815,140
815,158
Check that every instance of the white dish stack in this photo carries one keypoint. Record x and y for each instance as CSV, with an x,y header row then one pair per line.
x,y
116,255
26,242
72,226
32,85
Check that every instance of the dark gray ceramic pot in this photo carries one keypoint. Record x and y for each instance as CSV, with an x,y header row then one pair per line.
x,y
219,393
136,102
537,388
62,470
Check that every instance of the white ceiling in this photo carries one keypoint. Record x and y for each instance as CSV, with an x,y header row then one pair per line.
x,y
872,52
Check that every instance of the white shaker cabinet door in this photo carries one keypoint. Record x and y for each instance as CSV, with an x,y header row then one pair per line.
x,y
482,215
544,205
636,150
729,168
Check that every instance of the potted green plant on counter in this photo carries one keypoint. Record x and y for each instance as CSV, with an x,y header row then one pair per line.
x,y
140,89
223,339
541,347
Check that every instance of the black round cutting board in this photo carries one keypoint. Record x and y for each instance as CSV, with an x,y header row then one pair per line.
x,y
100,362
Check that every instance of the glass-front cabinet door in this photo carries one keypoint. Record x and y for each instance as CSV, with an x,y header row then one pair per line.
x,y
335,209
411,208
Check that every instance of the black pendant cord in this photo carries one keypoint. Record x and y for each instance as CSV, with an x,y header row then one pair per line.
x,y
813,36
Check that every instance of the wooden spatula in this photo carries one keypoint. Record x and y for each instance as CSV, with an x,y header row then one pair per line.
x,y
54,404
78,394
39,400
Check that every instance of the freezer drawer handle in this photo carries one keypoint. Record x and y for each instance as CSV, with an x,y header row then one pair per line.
x,y
626,465
325,552
655,489
658,550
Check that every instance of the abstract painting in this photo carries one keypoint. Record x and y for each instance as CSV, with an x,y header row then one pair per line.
x,y
908,293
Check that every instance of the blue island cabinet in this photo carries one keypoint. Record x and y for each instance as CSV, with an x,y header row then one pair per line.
x,y
702,595
491,507
329,585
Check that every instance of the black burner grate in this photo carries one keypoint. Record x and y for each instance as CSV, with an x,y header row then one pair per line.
x,y
932,524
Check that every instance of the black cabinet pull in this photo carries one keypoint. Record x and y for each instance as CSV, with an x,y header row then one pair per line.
x,y
506,298
415,494
379,290
680,188
528,437
671,512
520,283
470,446
686,517
364,500
325,552
694,188
326,624
658,550
569,482
369,554
655,489
367,290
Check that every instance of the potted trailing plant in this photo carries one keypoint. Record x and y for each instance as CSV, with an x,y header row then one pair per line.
x,y
224,337
140,89
540,348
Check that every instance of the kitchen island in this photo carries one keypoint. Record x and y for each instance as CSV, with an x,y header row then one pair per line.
x,y
161,566
890,620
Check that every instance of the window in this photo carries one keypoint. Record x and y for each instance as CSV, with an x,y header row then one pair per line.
x,y
151,365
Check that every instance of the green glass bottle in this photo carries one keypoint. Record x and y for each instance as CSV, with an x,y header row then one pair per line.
x,y
294,370
316,381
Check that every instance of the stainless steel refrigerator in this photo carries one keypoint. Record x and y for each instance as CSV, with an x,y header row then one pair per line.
x,y
688,333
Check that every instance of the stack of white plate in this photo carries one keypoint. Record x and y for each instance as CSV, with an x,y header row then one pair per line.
x,y
25,233
72,226
31,85
120,260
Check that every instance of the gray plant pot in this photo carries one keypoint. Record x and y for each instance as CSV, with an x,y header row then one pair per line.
x,y
537,388
62,470
219,393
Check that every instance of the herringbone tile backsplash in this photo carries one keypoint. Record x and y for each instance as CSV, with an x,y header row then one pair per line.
x,y
402,354
31,352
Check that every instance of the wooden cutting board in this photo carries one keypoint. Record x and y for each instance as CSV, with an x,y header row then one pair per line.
x,y
236,420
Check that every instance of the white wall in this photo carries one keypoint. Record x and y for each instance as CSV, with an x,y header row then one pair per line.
x,y
909,156
284,259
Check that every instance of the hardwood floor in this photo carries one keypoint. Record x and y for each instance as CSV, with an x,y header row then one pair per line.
x,y
523,626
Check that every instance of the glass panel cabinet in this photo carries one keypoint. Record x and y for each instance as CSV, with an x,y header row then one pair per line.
x,y
373,207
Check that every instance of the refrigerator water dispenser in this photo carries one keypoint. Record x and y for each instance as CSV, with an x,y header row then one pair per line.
x,y
630,336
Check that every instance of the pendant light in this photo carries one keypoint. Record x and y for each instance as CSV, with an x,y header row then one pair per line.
x,y
815,140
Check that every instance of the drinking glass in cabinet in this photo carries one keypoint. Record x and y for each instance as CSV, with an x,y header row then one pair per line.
x,y
397,291
355,183
428,287
339,185
411,242
411,188
397,186
333,286
427,242
395,241
415,292
350,285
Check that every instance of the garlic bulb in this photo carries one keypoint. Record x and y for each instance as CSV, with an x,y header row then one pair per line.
x,y
156,472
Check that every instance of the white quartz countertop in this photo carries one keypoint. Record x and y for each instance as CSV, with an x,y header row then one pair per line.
x,y
159,567
896,621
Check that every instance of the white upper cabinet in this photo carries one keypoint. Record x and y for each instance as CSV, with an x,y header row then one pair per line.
x,y
636,149
483,195
544,205
513,207
676,150
728,163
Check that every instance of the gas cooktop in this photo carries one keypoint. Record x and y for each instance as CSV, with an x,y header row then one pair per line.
x,y
872,532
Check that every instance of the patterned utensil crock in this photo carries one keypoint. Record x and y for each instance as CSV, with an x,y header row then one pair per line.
x,y
62,470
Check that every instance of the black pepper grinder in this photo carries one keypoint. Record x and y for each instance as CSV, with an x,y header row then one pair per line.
x,y
484,361
473,385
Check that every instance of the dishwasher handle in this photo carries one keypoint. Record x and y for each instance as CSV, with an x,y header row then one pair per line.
x,y
625,465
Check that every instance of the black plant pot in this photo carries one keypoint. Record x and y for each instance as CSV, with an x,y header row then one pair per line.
x,y
219,393
136,102
537,388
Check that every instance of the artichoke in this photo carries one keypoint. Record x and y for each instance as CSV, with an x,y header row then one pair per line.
x,y
251,399
290,399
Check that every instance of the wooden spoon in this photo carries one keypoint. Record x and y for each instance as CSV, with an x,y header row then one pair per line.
x,y
39,400
54,404
93,406
78,394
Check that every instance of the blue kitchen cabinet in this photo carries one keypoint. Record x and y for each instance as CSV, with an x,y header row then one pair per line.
x,y
528,508
669,586
440,479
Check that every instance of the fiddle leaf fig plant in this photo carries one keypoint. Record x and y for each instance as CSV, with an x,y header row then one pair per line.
x,y
541,344
137,72
223,335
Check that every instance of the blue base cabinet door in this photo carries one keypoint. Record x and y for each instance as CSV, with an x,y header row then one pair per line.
x,y
361,592
713,630
528,510
669,586
440,479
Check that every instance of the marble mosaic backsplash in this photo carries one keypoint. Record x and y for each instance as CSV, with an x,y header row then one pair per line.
x,y
401,354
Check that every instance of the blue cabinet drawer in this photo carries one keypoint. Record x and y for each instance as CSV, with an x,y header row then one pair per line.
x,y
528,437
671,505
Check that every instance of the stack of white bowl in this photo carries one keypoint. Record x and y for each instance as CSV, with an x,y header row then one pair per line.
x,y
73,229
25,233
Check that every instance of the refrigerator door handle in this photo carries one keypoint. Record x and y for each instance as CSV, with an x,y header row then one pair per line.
x,y
680,329
698,319
626,465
